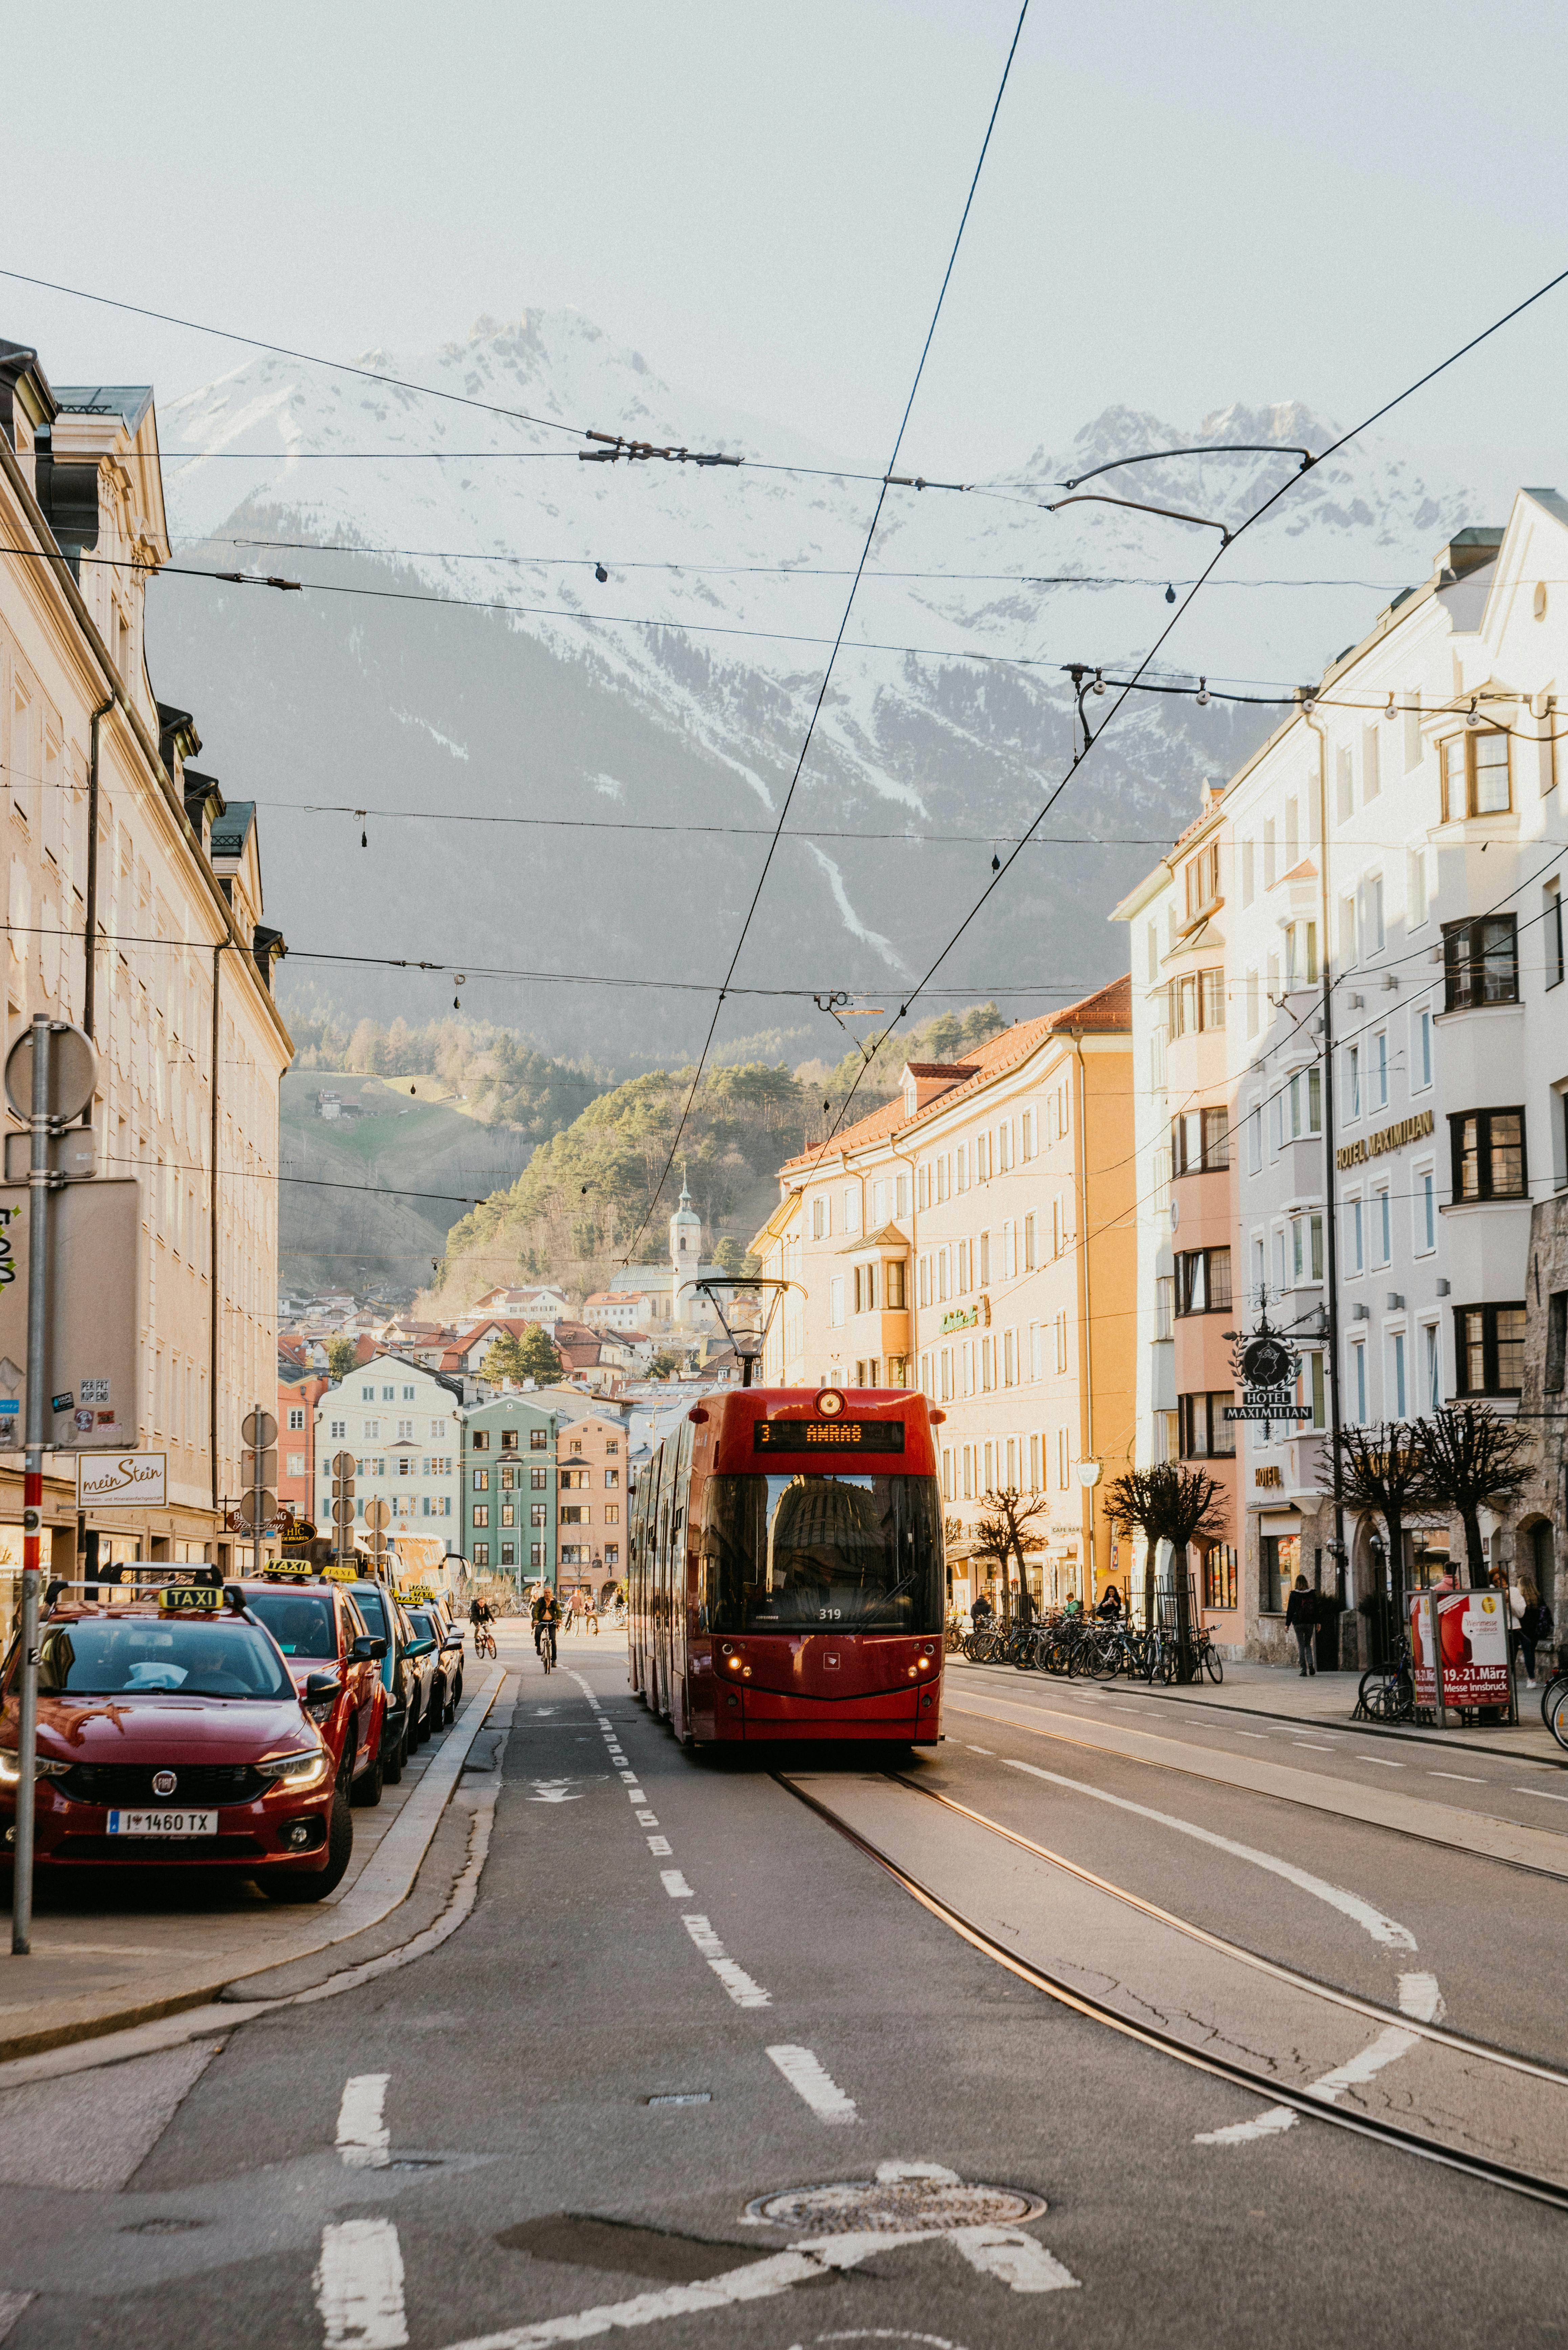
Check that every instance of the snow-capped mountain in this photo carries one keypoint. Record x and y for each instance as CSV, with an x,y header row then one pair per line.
x,y
676,692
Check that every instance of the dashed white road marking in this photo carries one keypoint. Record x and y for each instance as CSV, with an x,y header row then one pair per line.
x,y
1387,1761
1545,1792
735,1980
809,2078
1254,1733
1468,1778
647,1819
661,1847
1315,1744
363,2136
360,2286
982,1750
675,1885
1387,1930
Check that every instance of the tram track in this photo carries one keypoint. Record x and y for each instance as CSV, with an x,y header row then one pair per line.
x,y
1279,1795
1301,2099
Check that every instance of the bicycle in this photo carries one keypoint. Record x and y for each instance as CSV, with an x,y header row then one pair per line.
x,y
546,1645
1552,1695
1387,1692
1207,1657
483,1641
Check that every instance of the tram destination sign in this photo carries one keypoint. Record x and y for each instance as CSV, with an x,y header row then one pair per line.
x,y
799,1435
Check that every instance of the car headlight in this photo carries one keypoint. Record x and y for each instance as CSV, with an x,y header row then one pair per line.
x,y
301,1770
11,1767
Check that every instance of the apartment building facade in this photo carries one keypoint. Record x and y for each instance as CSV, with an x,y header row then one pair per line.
x,y
1378,898
594,1478
403,1424
509,1488
974,1239
134,909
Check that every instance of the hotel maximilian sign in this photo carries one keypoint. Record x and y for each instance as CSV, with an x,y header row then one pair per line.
x,y
1388,1138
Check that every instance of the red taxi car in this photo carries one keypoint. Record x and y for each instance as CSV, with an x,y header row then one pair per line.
x,y
323,1635
171,1734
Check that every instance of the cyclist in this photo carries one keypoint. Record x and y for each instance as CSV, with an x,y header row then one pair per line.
x,y
481,1617
546,1616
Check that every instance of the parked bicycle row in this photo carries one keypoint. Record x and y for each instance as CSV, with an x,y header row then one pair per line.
x,y
1091,1647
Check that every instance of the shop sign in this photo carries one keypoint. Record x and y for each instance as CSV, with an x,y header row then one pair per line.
x,y
1268,1403
1473,1630
1388,1138
123,1481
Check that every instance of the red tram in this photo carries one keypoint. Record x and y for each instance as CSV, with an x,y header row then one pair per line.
x,y
786,1573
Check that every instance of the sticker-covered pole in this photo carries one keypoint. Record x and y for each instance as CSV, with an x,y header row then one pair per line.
x,y
258,1426
33,1438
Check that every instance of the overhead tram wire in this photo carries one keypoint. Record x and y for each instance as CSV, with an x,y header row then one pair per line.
x,y
1124,691
844,623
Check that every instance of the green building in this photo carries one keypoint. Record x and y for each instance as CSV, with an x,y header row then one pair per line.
x,y
509,1508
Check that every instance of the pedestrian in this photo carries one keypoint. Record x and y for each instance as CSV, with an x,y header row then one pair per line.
x,y
981,1612
1301,1617
1531,1631
1110,1608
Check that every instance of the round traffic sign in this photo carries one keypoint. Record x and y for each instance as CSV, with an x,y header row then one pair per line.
x,y
343,1464
259,1430
251,1515
377,1514
343,1511
73,1072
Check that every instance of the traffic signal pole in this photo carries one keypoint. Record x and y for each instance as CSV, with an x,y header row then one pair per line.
x,y
34,1435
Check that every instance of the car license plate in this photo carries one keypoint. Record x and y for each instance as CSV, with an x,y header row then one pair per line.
x,y
163,1823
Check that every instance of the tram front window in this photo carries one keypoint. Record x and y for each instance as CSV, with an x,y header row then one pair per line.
x,y
816,1553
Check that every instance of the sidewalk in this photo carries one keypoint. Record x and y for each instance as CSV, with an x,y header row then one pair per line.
x,y
1280,1693
112,1952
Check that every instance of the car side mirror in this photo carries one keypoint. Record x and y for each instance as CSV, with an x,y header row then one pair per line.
x,y
452,1640
420,1648
320,1687
369,1648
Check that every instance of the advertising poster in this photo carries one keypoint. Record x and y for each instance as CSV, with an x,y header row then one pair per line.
x,y
1473,1629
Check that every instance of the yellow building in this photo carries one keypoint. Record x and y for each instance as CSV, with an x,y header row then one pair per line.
x,y
134,909
975,1238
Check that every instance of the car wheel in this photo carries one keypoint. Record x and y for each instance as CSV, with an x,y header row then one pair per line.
x,y
316,1884
366,1790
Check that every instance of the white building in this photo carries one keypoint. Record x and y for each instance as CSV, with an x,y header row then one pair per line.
x,y
403,1424
1379,894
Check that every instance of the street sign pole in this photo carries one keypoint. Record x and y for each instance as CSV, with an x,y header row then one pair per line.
x,y
256,1494
32,1484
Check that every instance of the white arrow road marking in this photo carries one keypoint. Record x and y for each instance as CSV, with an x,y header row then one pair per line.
x,y
1013,2259
1381,1928
553,1790
1419,1997
363,2137
806,2074
360,2286
803,2262
736,1981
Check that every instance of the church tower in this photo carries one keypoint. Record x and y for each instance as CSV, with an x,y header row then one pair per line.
x,y
685,1238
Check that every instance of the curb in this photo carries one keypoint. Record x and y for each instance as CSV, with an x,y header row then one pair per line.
x,y
385,1881
1451,1741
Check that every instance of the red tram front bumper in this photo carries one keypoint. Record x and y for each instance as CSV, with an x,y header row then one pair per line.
x,y
818,1685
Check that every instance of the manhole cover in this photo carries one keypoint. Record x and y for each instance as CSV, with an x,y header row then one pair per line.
x,y
903,2198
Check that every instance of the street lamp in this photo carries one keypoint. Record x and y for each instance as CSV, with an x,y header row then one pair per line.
x,y
1089,1474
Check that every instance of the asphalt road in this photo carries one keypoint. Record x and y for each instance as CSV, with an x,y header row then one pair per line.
x,y
681,1992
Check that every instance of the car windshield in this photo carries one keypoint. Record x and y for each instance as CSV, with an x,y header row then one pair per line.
x,y
424,1623
815,1552
141,1656
299,1621
367,1599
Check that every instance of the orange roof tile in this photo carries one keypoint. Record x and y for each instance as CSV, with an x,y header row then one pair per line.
x,y
1109,1007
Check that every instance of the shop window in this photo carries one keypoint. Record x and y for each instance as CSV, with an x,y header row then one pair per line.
x,y
1220,1575
1280,1562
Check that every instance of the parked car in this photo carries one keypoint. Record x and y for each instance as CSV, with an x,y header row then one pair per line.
x,y
171,1734
431,1624
321,1632
406,1672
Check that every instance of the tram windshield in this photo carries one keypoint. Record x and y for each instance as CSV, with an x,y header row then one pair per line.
x,y
814,1554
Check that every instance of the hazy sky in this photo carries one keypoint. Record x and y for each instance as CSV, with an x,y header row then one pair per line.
x,y
1184,206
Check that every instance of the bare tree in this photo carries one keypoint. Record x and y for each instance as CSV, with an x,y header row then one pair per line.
x,y
1005,1531
1474,1459
1383,1469
1168,1502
